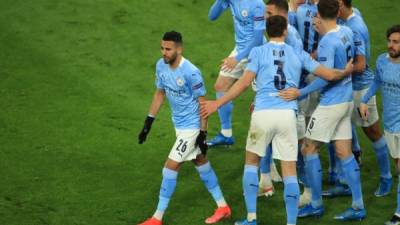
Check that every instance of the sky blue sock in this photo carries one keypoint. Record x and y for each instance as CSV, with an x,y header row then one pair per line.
x,y
339,169
167,188
250,187
225,113
382,155
265,162
314,175
300,169
355,145
210,180
352,174
291,194
332,157
398,197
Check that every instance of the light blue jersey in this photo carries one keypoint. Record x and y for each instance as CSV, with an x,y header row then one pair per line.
x,y
335,49
292,18
387,78
248,17
182,87
277,67
304,16
293,39
362,46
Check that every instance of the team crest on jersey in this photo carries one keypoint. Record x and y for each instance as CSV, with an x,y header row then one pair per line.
x,y
180,82
245,13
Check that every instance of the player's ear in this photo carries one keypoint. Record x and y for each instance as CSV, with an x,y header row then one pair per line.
x,y
285,33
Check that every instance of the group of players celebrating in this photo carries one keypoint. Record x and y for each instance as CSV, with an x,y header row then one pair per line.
x,y
312,86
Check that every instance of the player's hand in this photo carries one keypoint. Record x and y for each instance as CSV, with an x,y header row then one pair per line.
x,y
348,70
201,142
146,129
289,94
363,111
251,108
318,26
229,64
207,108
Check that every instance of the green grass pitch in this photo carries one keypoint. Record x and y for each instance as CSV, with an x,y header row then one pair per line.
x,y
76,81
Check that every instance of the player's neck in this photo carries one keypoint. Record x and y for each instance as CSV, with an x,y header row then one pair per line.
x,y
346,13
395,60
277,39
176,63
329,25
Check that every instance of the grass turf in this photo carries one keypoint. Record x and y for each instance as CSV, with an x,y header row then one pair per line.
x,y
76,80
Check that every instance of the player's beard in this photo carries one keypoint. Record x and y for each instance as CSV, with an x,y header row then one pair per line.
x,y
393,53
171,60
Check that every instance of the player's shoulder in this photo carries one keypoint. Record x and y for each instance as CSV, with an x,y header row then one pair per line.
x,y
382,59
189,66
257,3
160,63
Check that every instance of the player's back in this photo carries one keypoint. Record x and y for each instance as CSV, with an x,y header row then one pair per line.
x,y
247,16
277,67
182,86
304,16
362,46
335,49
388,74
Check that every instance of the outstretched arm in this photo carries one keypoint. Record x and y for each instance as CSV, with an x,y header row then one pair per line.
x,y
217,9
334,74
209,107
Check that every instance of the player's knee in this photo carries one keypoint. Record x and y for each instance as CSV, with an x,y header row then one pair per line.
x,y
219,87
373,132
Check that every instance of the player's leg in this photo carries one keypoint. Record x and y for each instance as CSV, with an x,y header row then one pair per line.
x,y
332,170
313,171
351,170
259,137
168,184
210,180
393,141
374,134
250,188
355,144
382,154
291,191
224,82
320,129
266,188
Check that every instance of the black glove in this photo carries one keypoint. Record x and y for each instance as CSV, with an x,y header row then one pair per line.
x,y
146,129
201,142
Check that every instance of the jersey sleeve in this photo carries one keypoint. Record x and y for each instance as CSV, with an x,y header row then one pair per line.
x,y
252,64
308,62
196,83
375,85
359,44
258,18
158,82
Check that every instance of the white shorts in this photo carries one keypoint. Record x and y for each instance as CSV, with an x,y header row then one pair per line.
x,y
313,98
276,126
237,72
372,109
184,148
393,142
301,119
331,122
